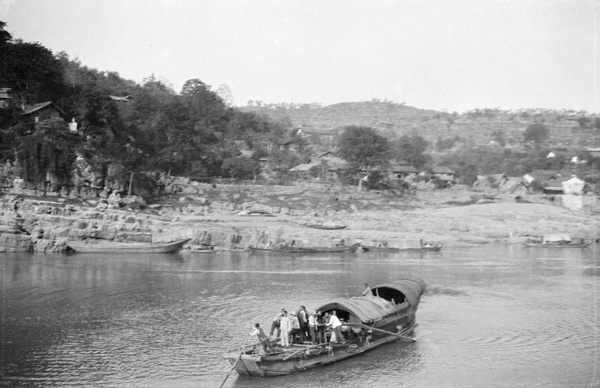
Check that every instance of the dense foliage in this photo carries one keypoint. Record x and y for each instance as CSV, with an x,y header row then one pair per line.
x,y
193,133
363,147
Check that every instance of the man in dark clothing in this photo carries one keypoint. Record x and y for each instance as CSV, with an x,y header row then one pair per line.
x,y
262,338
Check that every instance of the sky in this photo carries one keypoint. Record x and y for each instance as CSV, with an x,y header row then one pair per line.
x,y
447,55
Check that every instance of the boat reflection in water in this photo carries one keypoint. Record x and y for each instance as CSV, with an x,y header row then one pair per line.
x,y
386,315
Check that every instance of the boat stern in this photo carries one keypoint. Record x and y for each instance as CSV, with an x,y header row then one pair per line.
x,y
245,364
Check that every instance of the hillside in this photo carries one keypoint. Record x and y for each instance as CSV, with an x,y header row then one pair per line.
x,y
478,126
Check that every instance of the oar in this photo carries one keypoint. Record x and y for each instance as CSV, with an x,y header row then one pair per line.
x,y
382,331
236,361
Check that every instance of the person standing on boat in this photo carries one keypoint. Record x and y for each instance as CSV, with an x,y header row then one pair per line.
x,y
286,327
262,338
320,328
276,324
303,320
336,327
312,327
295,325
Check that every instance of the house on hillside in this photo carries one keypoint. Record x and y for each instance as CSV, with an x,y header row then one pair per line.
x,y
443,173
127,98
331,159
326,165
405,172
537,179
325,136
306,170
553,182
573,185
444,176
42,111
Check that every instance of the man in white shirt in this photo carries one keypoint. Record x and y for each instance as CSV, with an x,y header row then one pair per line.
x,y
336,327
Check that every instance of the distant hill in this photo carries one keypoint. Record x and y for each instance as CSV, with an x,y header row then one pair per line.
x,y
479,126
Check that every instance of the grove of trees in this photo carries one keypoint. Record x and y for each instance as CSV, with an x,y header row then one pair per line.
x,y
195,132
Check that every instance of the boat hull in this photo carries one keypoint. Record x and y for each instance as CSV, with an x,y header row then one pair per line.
x,y
128,248
306,358
351,248
543,245
436,248
325,227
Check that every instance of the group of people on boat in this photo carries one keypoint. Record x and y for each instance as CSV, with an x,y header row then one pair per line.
x,y
302,327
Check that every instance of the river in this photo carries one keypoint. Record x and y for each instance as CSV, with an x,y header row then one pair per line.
x,y
492,316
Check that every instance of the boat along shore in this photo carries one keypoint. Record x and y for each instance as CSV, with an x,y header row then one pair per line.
x,y
557,241
423,248
350,248
87,246
387,314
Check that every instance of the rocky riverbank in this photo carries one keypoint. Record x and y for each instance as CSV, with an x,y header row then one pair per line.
x,y
213,216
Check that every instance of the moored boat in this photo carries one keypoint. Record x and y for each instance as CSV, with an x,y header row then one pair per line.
x,y
346,248
255,213
87,246
368,322
557,241
427,247
326,226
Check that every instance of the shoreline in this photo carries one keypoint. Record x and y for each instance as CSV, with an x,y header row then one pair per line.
x,y
215,218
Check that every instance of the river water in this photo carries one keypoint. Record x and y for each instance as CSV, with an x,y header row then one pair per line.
x,y
492,316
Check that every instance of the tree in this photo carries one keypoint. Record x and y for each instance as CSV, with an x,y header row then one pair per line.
x,y
31,71
241,167
4,35
411,149
51,148
536,133
363,147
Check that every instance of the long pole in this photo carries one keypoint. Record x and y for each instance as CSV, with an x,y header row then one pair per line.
x,y
236,361
382,331
130,184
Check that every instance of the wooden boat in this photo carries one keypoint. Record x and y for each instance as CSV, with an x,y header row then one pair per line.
x,y
557,241
350,248
326,226
88,246
387,315
255,213
424,248
553,245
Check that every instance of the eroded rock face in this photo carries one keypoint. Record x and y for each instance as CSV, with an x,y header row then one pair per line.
x,y
16,243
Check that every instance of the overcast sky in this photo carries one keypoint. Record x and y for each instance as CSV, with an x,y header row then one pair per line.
x,y
453,55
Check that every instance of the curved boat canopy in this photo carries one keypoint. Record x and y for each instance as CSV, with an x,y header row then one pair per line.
x,y
385,300
411,289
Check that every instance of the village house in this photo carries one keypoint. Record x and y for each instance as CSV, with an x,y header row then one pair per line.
x,y
554,182
42,111
444,174
326,165
324,136
127,98
537,179
397,171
